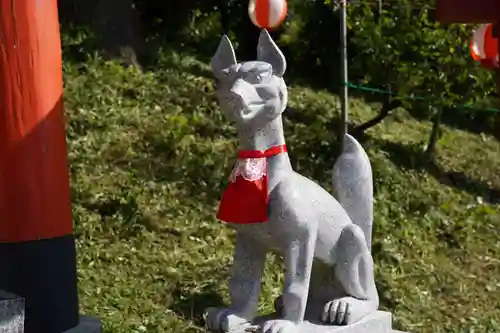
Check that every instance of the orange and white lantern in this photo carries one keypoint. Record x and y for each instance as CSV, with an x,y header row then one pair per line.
x,y
484,47
267,14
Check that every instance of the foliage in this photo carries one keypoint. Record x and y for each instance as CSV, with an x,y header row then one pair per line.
x,y
401,47
149,154
406,49
310,39
427,66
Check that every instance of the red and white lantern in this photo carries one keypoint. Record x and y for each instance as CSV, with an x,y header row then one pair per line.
x,y
484,47
267,14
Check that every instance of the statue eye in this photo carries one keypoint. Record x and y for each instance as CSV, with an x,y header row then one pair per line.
x,y
216,82
225,73
259,77
262,77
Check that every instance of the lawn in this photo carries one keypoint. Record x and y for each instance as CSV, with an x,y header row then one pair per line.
x,y
149,154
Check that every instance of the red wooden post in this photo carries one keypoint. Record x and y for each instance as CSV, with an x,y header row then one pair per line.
x,y
467,11
37,249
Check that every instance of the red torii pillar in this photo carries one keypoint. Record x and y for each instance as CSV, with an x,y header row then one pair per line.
x,y
468,11
37,247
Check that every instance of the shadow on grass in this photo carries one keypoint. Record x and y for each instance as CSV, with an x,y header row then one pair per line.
x,y
469,120
310,154
124,216
316,152
191,305
387,301
78,42
411,157
476,122
195,69
197,175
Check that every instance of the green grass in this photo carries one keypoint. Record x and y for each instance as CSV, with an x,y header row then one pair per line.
x,y
149,155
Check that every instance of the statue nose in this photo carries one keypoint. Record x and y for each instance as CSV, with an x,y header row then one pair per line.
x,y
240,87
244,91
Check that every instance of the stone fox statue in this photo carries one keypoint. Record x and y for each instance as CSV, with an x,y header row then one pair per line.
x,y
273,208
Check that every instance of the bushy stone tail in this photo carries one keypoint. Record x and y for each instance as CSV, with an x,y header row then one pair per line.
x,y
353,185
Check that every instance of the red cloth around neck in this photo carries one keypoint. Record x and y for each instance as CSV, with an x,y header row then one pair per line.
x,y
245,198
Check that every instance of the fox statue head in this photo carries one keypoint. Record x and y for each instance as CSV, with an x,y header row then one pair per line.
x,y
251,94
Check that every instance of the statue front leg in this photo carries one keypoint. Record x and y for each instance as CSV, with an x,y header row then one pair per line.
x,y
244,286
298,257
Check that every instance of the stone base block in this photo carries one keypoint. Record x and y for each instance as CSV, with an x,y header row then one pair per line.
x,y
11,313
378,322
12,317
87,325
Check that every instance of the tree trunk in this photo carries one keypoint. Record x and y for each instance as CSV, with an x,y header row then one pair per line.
x,y
117,23
431,146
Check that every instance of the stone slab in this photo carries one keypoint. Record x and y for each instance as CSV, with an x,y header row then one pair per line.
x,y
377,322
11,313
87,325
12,317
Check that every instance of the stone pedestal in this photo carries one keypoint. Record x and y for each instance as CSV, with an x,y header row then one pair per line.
x,y
12,317
378,322
11,313
87,325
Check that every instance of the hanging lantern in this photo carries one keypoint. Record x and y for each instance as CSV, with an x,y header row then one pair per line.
x,y
484,47
267,14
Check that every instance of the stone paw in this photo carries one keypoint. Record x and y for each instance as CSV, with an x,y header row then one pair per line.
x,y
278,326
346,310
278,305
223,319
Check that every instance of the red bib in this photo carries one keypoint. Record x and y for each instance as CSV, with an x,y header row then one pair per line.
x,y
245,198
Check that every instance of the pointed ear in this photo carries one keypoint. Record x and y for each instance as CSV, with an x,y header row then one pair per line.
x,y
268,51
224,56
